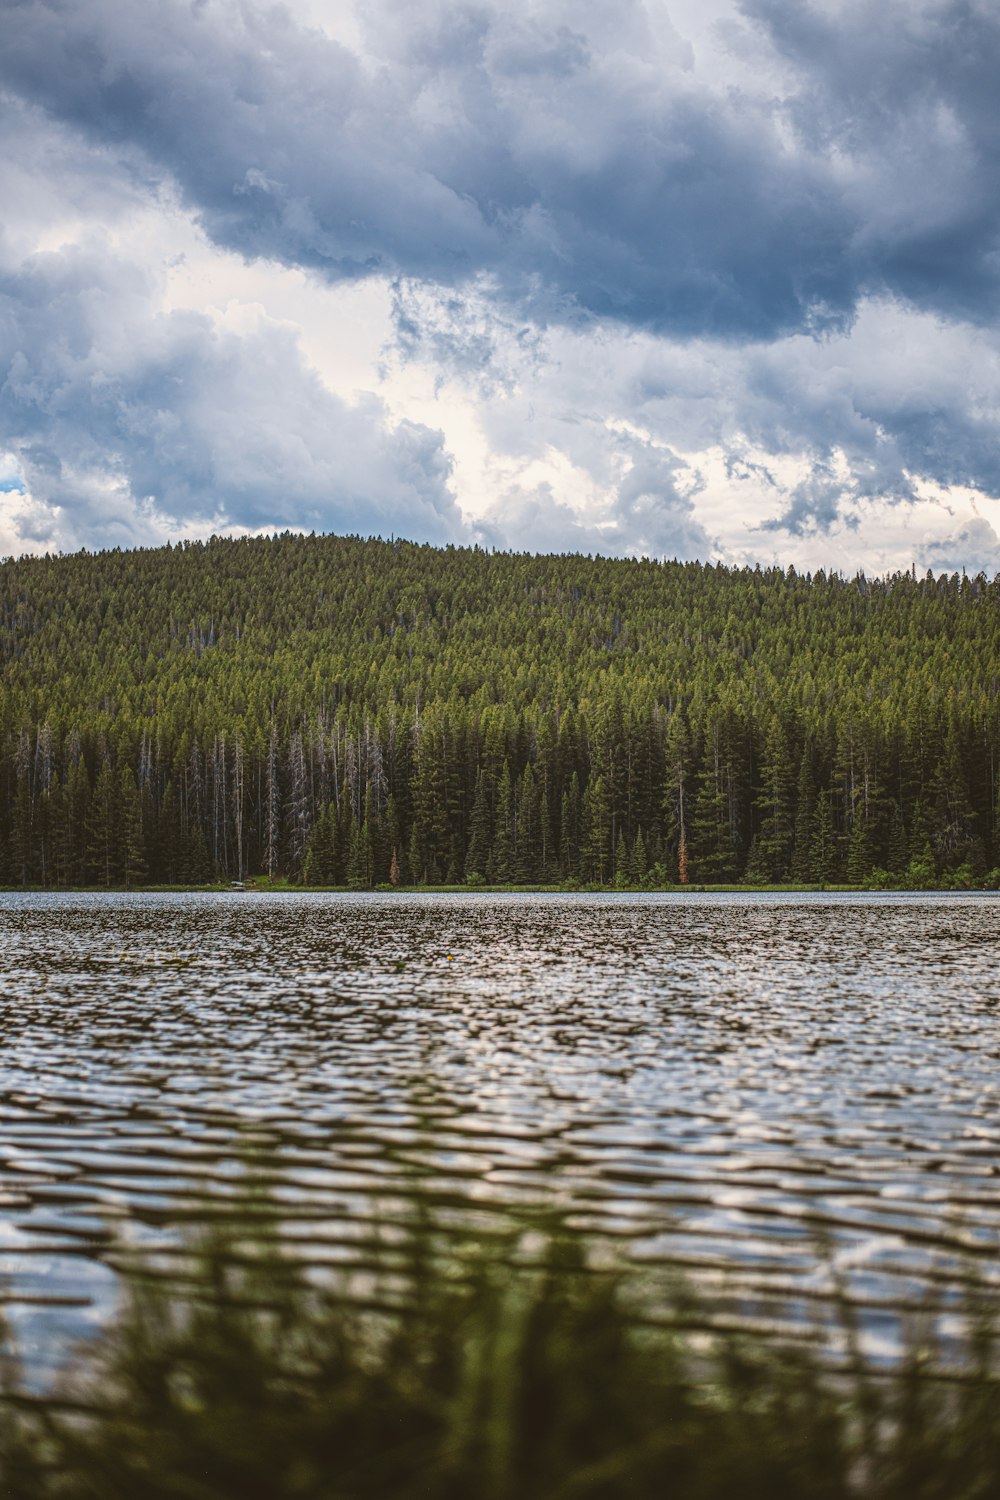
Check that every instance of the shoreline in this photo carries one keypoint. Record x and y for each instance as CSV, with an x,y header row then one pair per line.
x,y
255,885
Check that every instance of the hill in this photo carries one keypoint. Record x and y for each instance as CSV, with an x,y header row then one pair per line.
x,y
355,711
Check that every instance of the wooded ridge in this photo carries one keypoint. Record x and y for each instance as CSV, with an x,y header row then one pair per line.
x,y
344,711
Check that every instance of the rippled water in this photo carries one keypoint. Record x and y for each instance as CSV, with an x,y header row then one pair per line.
x,y
718,1082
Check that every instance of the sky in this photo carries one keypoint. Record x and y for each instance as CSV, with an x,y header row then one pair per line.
x,y
707,279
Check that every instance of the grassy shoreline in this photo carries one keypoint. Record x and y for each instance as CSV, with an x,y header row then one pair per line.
x,y
262,884
516,1368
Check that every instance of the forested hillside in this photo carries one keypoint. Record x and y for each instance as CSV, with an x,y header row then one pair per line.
x,y
347,711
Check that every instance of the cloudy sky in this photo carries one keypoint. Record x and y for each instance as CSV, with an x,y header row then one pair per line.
x,y
703,278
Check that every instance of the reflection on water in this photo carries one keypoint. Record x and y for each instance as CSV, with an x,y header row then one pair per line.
x,y
717,1082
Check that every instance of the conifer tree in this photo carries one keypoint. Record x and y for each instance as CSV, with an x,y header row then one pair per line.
x,y
898,856
595,831
504,842
20,862
859,850
569,829
320,866
477,858
133,846
621,875
824,861
640,860
528,842
168,838
103,831
245,685
677,754
803,862
775,805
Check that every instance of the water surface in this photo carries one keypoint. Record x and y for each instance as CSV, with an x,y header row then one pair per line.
x,y
718,1083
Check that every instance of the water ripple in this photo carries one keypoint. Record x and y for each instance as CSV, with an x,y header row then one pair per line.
x,y
716,1083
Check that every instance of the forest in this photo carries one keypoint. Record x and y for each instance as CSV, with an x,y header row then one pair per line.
x,y
341,711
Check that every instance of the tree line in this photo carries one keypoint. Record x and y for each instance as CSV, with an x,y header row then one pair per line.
x,y
342,711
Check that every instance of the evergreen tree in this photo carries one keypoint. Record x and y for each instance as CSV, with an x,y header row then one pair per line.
x,y
132,840
859,851
320,865
803,860
595,831
898,849
640,860
501,866
103,846
569,829
20,862
477,858
168,838
824,859
244,685
528,841
621,869
772,856
676,799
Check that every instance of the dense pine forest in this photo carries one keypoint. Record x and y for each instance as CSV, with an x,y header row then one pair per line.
x,y
341,711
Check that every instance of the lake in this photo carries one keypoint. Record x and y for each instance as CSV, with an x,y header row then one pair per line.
x,y
750,1088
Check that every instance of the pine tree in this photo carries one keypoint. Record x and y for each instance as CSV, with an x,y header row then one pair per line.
x,y
640,860
199,866
595,832
859,851
477,858
803,861
20,859
898,856
167,837
504,840
320,865
272,808
621,869
132,840
298,819
772,853
418,871
569,830
528,841
824,862
103,844
677,754
710,849
955,840
361,851
77,819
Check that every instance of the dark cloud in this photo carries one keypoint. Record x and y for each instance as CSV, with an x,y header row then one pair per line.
x,y
902,95
868,415
812,260
903,399
123,420
599,176
121,423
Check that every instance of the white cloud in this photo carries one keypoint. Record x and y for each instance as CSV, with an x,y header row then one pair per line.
x,y
559,276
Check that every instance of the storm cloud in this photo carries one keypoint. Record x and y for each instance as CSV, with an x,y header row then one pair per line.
x,y
603,178
650,253
125,422
104,403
